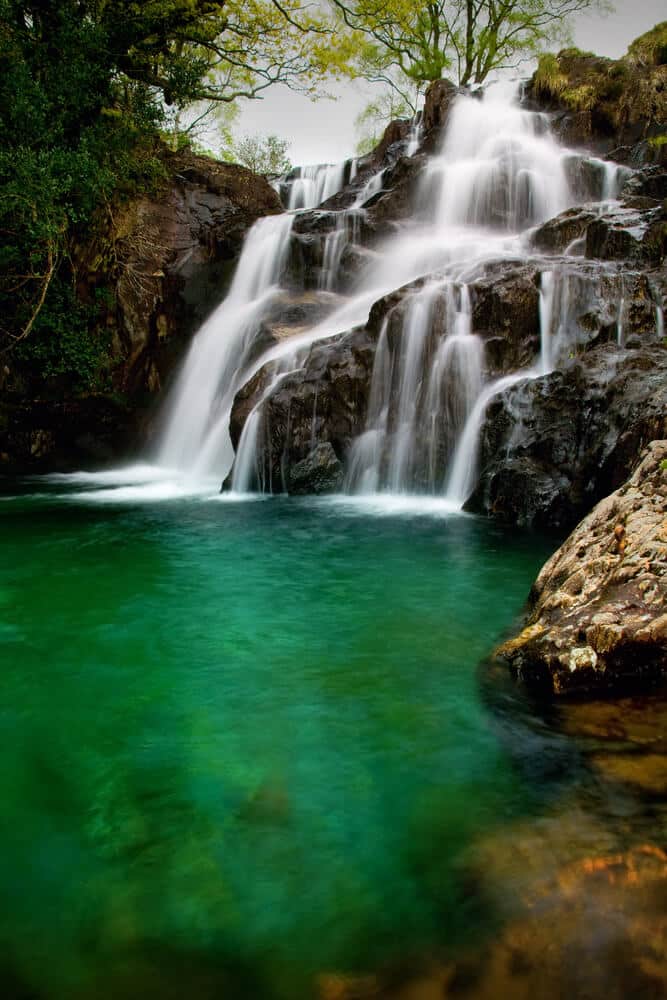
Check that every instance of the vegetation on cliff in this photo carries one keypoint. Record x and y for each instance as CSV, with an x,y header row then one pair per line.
x,y
86,88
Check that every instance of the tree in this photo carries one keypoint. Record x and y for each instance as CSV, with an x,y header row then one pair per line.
x,y
263,154
86,89
466,39
370,122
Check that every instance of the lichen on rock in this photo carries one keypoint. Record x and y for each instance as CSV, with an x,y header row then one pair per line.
x,y
599,605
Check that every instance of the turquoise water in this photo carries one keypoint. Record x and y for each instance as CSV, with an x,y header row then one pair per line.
x,y
244,743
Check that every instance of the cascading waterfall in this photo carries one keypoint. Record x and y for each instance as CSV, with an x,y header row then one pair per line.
x,y
196,436
415,137
498,174
312,185
422,393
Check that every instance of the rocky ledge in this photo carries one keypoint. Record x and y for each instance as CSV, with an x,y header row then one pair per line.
x,y
599,606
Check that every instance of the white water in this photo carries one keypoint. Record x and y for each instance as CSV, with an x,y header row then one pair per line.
x,y
499,172
415,137
196,437
314,184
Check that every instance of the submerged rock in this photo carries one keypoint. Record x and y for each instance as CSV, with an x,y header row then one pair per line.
x,y
599,605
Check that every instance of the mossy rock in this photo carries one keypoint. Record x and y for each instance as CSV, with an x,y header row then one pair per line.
x,y
619,101
650,49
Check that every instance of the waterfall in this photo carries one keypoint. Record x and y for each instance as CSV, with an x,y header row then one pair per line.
x,y
312,185
498,167
196,435
372,187
415,136
498,173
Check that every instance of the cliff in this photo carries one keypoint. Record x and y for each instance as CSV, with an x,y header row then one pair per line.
x,y
162,260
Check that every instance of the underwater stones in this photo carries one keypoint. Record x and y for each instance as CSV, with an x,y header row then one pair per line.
x,y
321,471
599,605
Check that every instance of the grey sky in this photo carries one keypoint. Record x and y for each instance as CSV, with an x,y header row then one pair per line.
x,y
323,131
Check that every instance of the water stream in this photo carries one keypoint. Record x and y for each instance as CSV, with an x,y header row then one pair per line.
x,y
498,174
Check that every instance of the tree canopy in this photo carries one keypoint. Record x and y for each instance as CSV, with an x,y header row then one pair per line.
x,y
265,154
86,87
463,39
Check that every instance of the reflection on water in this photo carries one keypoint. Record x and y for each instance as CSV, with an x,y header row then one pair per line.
x,y
248,754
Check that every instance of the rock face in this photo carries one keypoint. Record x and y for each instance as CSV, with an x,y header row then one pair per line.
x,y
165,261
608,104
551,447
319,472
311,417
599,605
170,257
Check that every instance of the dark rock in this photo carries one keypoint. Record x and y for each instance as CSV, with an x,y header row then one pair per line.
x,y
437,102
320,471
505,312
398,199
323,403
557,234
599,616
628,233
49,436
175,254
551,447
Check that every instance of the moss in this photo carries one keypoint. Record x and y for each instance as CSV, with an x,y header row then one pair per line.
x,y
658,141
549,81
650,49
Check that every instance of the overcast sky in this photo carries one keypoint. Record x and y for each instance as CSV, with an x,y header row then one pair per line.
x,y
323,131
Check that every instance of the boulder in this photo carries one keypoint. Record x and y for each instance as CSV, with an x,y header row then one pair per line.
x,y
598,615
604,104
320,471
311,416
552,446
556,235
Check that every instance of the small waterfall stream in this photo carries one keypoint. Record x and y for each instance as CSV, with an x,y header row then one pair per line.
x,y
498,174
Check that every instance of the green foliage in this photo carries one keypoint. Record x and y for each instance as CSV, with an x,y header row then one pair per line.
x,y
264,154
650,49
87,89
66,346
468,39
549,80
371,122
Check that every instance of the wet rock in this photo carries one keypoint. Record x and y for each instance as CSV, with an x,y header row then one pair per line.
x,y
628,233
650,182
599,606
505,312
437,102
398,199
169,258
552,446
557,234
322,403
320,471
